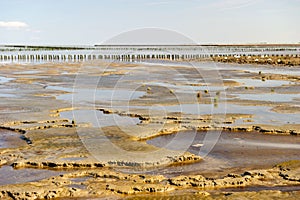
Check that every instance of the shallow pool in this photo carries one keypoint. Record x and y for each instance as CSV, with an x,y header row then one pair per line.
x,y
5,79
79,95
273,97
98,118
11,139
14,176
188,88
230,150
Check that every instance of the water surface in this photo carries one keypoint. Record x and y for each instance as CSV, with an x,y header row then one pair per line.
x,y
98,118
233,150
8,175
80,95
273,97
5,79
11,139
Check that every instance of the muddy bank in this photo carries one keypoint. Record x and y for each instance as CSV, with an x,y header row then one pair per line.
x,y
101,183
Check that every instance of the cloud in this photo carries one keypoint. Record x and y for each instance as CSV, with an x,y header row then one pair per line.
x,y
13,24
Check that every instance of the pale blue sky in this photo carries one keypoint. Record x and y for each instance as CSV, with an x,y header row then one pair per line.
x,y
67,22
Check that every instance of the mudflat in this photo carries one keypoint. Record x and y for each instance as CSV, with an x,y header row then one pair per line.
x,y
144,130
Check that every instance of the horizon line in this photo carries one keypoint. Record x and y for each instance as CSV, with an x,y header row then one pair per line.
x,y
151,45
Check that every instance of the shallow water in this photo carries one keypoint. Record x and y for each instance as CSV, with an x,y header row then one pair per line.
x,y
28,72
5,79
98,119
224,66
273,97
8,175
79,95
262,114
7,92
232,151
7,95
10,139
188,88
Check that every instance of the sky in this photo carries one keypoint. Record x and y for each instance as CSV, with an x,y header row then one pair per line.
x,y
89,22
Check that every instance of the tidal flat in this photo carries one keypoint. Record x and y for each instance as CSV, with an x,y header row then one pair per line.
x,y
142,130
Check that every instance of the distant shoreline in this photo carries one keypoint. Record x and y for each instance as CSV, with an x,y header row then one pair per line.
x,y
271,54
283,60
83,47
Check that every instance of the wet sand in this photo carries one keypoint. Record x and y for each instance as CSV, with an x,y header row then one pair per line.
x,y
75,118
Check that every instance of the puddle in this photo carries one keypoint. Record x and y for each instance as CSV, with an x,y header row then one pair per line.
x,y
273,97
8,175
98,118
233,150
92,95
260,83
188,64
28,72
188,88
78,186
77,182
7,92
10,139
7,95
60,88
5,79
197,109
